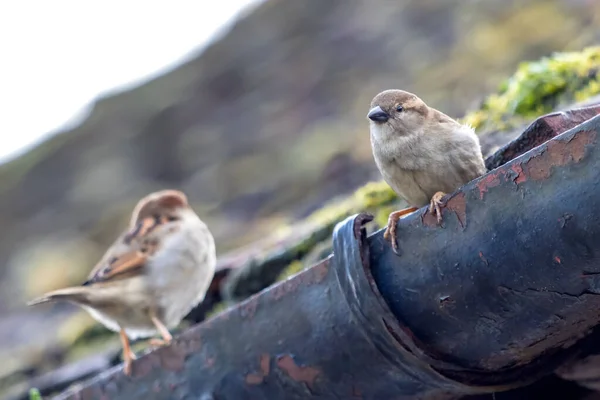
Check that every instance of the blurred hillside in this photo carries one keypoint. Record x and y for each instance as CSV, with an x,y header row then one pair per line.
x,y
262,127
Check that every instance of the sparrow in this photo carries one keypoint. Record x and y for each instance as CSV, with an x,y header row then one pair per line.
x,y
152,276
422,153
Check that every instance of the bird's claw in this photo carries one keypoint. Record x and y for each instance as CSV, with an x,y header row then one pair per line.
x,y
128,358
128,354
435,206
127,367
390,233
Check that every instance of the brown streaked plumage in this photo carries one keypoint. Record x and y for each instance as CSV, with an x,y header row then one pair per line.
x,y
153,274
421,152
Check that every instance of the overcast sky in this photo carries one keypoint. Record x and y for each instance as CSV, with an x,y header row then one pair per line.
x,y
57,56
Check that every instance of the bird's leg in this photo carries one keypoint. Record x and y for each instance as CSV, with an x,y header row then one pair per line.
x,y
128,354
434,205
164,332
390,231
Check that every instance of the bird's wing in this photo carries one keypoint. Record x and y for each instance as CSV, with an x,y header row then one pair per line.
x,y
118,267
129,253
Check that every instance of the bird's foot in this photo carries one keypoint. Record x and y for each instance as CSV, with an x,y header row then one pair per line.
x,y
132,355
128,354
390,230
167,338
127,366
435,205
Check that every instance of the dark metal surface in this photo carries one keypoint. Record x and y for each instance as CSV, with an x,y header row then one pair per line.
x,y
319,335
497,296
541,130
513,275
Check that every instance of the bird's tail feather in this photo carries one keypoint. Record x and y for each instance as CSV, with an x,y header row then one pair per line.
x,y
75,294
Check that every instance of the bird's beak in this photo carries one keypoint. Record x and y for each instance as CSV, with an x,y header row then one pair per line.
x,y
376,114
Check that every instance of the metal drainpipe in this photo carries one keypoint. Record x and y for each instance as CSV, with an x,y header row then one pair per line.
x,y
500,295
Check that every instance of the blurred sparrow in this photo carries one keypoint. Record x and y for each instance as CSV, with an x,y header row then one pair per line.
x,y
152,275
421,152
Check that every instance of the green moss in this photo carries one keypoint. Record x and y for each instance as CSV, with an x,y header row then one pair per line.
x,y
34,394
592,89
382,214
539,87
366,199
372,197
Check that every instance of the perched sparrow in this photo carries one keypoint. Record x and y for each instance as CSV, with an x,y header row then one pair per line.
x,y
421,152
152,275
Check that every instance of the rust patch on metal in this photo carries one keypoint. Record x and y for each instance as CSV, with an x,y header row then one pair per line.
x,y
563,121
490,180
173,357
170,357
190,341
515,174
520,177
457,204
319,271
265,368
559,153
253,379
278,291
428,219
144,365
265,364
540,131
485,261
306,375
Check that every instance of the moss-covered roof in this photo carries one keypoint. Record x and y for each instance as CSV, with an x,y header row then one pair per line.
x,y
538,87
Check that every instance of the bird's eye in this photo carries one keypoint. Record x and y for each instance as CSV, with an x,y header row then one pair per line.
x,y
399,108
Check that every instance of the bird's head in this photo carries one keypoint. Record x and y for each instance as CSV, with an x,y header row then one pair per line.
x,y
168,203
396,113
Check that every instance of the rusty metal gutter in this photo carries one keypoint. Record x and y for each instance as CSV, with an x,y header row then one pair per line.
x,y
502,294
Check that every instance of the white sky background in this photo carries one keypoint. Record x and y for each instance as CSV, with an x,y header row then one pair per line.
x,y
58,56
